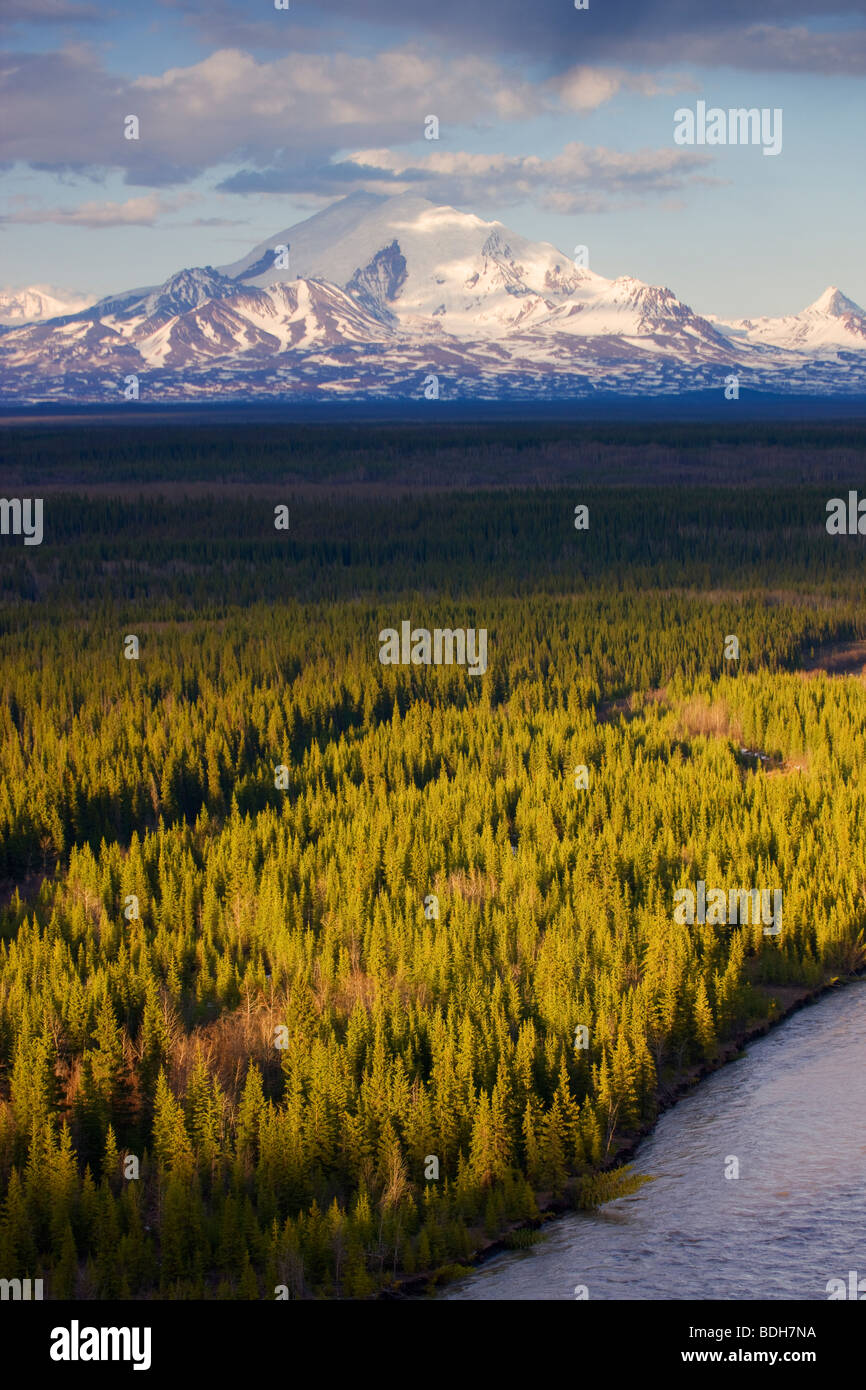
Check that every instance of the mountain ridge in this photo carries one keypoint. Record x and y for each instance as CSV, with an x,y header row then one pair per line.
x,y
375,295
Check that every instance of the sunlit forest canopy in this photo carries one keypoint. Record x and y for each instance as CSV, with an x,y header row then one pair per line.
x,y
282,997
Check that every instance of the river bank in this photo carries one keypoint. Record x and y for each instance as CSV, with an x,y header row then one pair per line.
x,y
790,999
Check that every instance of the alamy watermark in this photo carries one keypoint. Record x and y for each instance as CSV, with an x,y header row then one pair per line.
x,y
718,907
449,646
76,1343
20,1290
855,1289
846,518
737,126
22,516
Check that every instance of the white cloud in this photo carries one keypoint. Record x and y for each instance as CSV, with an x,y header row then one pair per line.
x,y
135,212
277,125
584,88
232,108
578,179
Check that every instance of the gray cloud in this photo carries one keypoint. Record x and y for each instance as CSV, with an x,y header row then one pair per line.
x,y
751,34
754,35
52,12
578,179
282,121
764,48
260,29
231,107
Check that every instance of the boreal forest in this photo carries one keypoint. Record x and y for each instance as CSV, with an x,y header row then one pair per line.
x,y
318,975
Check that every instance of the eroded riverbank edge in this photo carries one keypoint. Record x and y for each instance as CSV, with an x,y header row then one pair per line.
x,y
551,1208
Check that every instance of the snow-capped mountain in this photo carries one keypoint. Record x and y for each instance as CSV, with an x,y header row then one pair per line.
x,y
373,295
434,269
201,313
406,257
832,322
39,302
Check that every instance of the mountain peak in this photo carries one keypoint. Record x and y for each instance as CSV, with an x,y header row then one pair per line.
x,y
188,289
835,304
34,302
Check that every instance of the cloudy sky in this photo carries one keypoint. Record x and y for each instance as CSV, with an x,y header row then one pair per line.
x,y
559,122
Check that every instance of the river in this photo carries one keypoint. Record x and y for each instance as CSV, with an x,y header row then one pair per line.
x,y
792,1110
